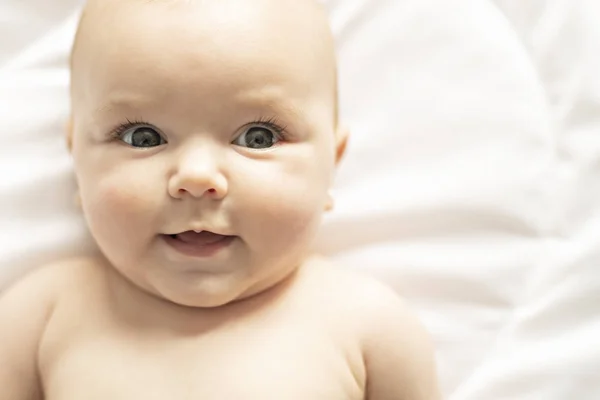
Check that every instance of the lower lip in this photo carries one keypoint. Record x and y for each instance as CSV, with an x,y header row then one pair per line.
x,y
194,250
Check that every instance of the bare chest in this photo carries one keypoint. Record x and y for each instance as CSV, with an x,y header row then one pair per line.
x,y
245,364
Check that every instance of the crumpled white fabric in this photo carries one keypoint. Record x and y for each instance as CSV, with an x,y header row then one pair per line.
x,y
470,184
550,347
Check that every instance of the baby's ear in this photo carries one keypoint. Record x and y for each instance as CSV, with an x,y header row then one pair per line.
x,y
341,141
69,133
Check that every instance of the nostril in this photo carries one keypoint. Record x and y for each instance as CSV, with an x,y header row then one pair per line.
x,y
183,191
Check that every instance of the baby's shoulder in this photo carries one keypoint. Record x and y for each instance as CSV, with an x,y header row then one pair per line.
x,y
351,294
46,283
27,306
389,334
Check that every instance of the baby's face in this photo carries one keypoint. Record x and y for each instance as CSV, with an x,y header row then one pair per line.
x,y
210,116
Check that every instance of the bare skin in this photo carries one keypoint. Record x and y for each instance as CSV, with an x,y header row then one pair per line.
x,y
92,334
233,102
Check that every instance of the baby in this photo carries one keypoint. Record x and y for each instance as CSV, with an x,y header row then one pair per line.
x,y
205,139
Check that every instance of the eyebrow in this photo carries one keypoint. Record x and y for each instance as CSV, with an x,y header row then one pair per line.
x,y
271,103
290,111
123,100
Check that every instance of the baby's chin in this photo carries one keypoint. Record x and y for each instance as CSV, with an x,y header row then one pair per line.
x,y
213,291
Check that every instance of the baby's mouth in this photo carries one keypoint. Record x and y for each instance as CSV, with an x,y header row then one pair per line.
x,y
199,244
201,238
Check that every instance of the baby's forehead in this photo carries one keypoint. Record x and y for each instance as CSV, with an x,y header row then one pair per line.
x,y
308,12
295,26
238,41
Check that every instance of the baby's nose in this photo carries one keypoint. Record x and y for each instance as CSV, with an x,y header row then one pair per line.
x,y
198,177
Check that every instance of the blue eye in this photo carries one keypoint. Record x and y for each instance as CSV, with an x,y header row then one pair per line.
x,y
257,138
140,136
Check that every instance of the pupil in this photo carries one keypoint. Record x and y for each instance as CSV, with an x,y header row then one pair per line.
x,y
260,138
145,138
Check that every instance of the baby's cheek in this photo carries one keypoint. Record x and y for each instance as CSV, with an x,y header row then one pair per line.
x,y
118,204
283,212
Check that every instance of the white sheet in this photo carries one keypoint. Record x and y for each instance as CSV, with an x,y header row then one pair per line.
x,y
470,183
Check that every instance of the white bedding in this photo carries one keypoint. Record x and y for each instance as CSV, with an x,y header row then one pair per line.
x,y
472,182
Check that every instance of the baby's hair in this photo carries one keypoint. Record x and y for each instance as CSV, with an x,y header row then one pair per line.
x,y
318,4
171,1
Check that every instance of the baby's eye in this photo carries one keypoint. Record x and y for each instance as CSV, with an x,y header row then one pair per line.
x,y
141,136
257,138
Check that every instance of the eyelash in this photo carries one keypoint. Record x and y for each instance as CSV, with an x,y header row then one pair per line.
x,y
270,122
273,124
117,132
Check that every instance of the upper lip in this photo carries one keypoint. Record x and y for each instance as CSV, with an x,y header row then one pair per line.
x,y
215,231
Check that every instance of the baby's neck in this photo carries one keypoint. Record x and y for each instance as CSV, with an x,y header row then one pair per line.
x,y
157,313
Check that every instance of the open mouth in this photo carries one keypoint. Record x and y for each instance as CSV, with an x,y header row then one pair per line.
x,y
198,244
